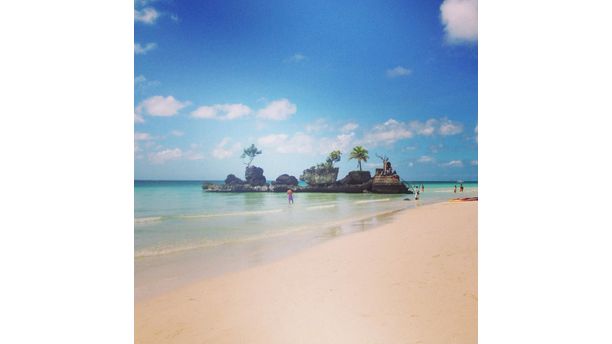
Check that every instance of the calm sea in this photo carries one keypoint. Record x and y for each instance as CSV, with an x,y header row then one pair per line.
x,y
183,233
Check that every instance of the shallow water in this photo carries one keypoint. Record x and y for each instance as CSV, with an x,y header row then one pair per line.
x,y
182,233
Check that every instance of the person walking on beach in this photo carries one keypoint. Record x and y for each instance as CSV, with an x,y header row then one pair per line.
x,y
455,188
290,196
461,188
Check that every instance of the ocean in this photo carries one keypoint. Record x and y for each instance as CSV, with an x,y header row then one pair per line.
x,y
183,233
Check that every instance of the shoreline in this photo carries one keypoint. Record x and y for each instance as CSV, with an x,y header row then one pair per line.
x,y
278,246
413,278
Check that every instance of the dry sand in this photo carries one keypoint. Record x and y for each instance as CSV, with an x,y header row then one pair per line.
x,y
410,281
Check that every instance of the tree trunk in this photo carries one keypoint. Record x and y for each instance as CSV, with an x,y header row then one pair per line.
x,y
359,161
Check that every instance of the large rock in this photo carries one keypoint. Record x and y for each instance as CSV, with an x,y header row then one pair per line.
x,y
254,176
320,175
233,180
285,179
355,178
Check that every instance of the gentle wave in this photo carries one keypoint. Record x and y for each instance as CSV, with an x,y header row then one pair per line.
x,y
240,213
373,201
321,207
141,220
159,251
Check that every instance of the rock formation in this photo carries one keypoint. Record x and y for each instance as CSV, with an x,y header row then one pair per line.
x,y
285,179
321,175
233,180
254,176
355,178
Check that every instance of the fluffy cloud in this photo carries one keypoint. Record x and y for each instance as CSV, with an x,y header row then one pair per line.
x,y
398,71
387,133
392,130
222,111
317,125
448,127
225,149
347,128
142,136
138,118
277,110
453,163
426,128
143,49
342,142
444,127
425,159
299,143
162,156
474,162
147,15
460,20
160,106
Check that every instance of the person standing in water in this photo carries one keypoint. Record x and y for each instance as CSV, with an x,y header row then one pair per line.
x,y
461,188
422,188
290,196
455,188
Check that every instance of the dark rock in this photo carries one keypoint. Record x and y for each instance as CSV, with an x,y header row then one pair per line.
x,y
233,180
285,179
321,175
254,176
355,178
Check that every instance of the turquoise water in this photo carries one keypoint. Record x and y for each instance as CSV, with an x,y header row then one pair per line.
x,y
175,216
179,225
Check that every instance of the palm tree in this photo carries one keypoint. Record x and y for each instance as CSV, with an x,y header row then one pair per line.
x,y
361,154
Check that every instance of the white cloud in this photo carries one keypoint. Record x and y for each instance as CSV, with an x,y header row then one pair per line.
x,y
453,163
460,20
387,133
138,118
299,143
277,110
342,142
296,58
474,162
425,159
392,130
160,106
444,127
176,133
147,15
143,49
224,149
426,128
398,71
222,111
138,136
317,125
142,83
347,128
448,127
161,157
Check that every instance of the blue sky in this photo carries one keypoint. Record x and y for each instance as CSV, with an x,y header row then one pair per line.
x,y
300,79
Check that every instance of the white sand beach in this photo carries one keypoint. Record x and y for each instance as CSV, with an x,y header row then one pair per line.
x,y
410,281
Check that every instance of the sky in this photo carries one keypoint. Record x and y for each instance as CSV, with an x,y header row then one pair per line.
x,y
300,79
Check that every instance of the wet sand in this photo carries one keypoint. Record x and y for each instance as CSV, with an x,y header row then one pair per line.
x,y
413,280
